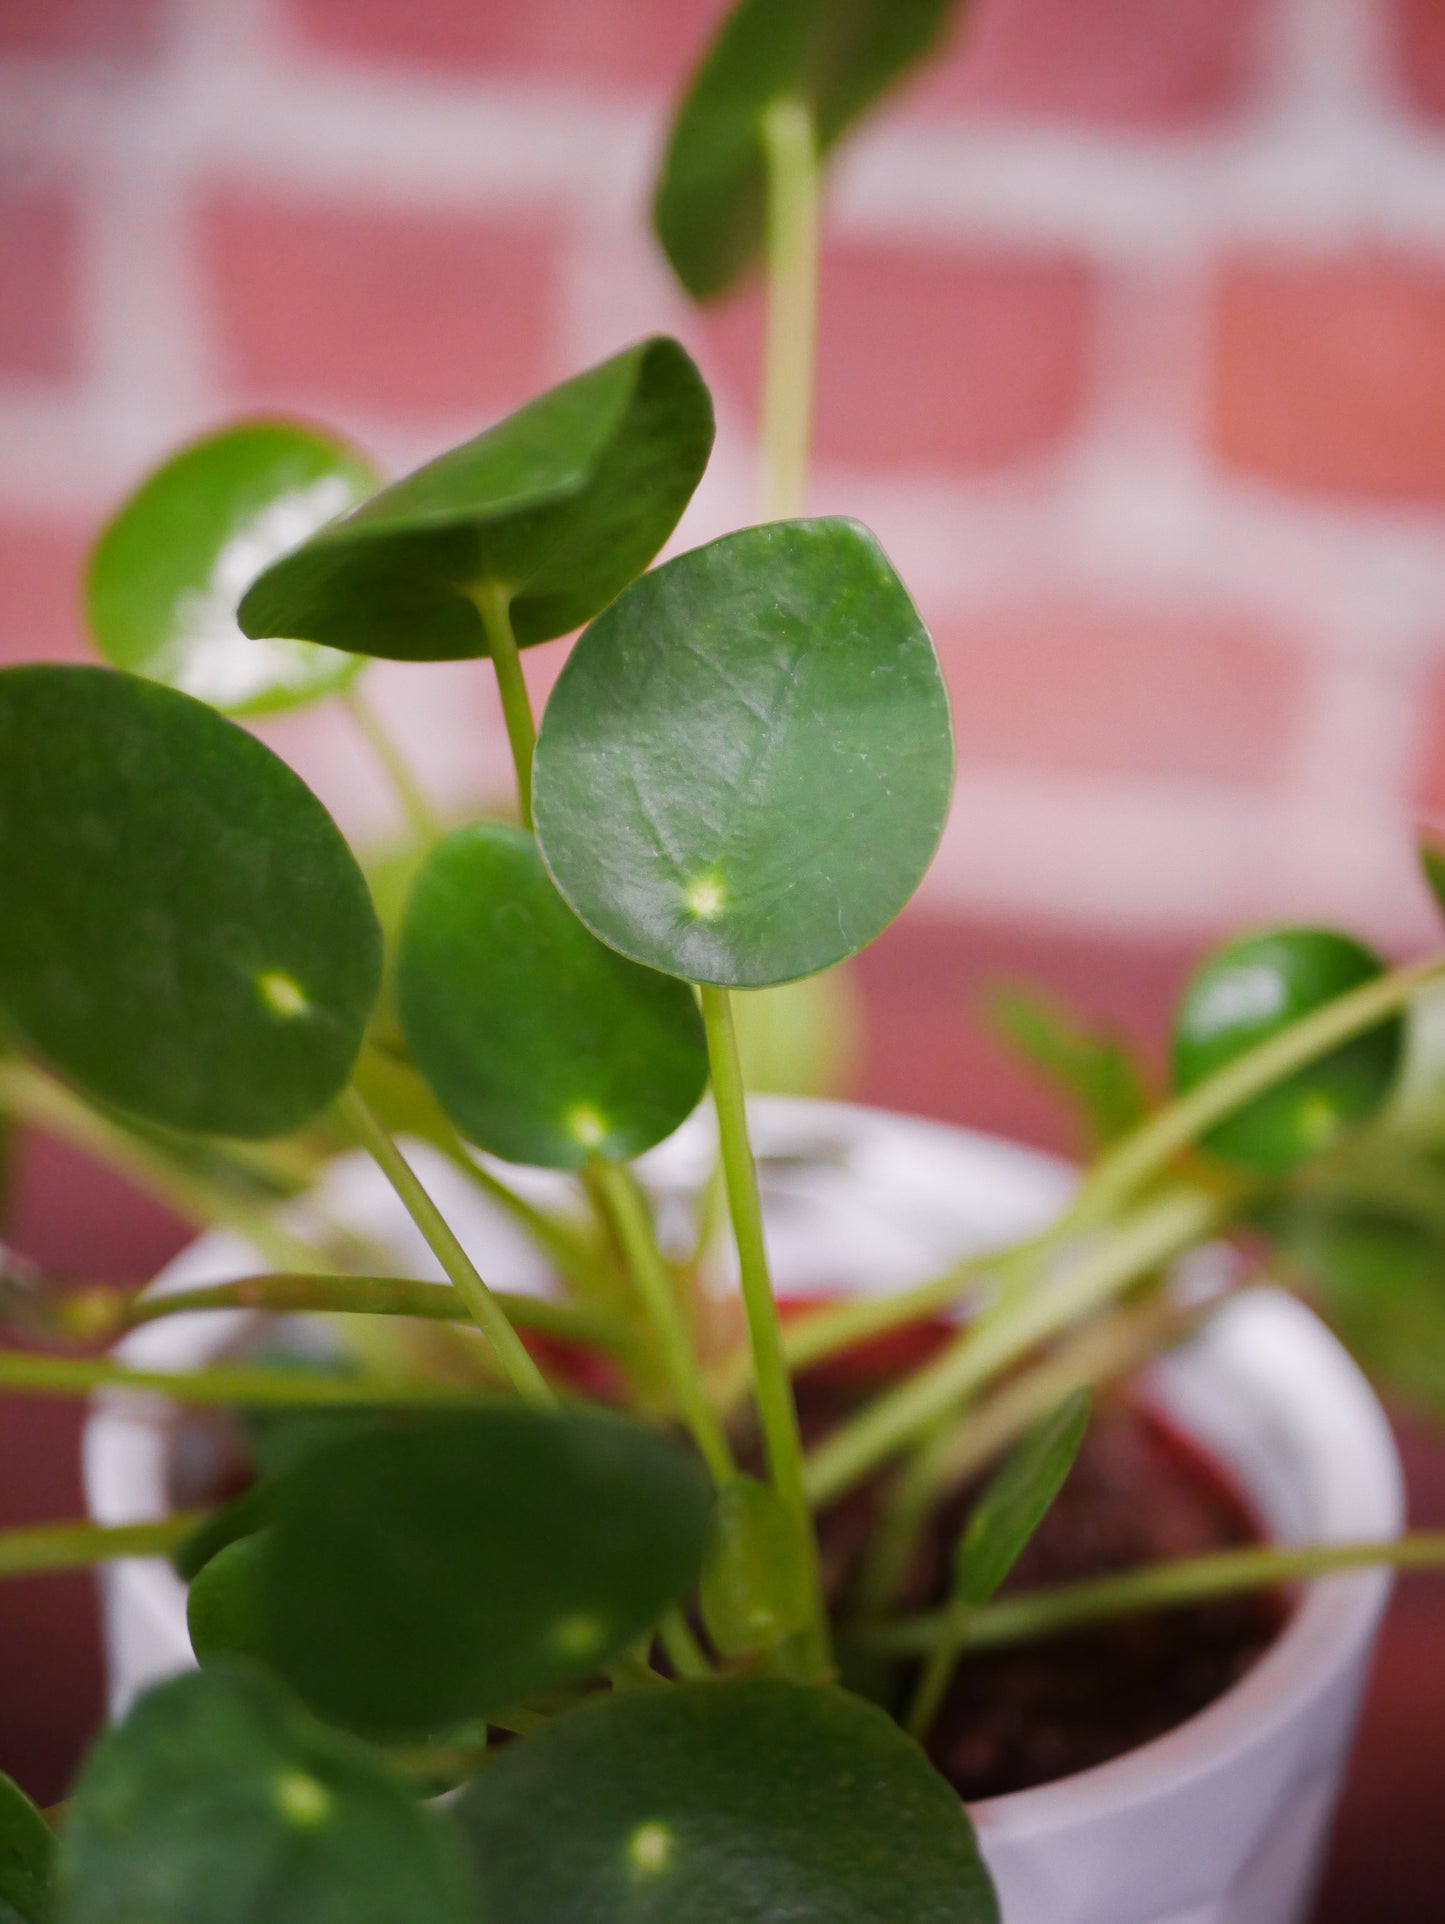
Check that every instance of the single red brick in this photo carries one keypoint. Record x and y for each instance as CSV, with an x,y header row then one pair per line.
x,y
1137,63
1420,53
1121,691
416,312
113,29
40,332
932,358
645,42
41,562
1329,373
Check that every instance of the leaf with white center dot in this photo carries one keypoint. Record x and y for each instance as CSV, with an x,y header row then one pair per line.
x,y
553,509
722,1803
168,571
27,1859
221,1801
837,58
1016,1502
459,1563
186,935
745,767
542,1045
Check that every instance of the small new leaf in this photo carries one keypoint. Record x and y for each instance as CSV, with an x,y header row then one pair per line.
x,y
1432,864
836,57
1092,1069
1016,1502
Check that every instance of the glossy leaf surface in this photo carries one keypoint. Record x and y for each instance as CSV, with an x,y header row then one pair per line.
x,y
1017,1500
186,934
757,1582
169,569
457,1564
1249,990
27,1859
220,1801
836,56
542,1044
560,505
745,766
727,1803
1093,1070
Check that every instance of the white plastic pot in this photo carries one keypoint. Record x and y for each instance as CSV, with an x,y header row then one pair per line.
x,y
1223,1820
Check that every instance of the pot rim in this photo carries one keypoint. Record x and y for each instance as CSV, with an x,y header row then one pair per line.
x,y
123,1453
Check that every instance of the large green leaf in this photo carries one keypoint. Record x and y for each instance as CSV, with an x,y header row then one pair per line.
x,y
724,1803
557,507
542,1045
27,1859
220,1801
1253,988
185,933
464,1562
745,766
1017,1501
837,57
168,571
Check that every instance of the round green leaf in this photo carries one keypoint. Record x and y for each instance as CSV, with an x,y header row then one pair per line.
x,y
220,1801
837,57
541,1044
558,506
225,1606
1017,1501
27,1859
758,1583
1251,989
725,1803
447,1568
186,934
745,766
168,571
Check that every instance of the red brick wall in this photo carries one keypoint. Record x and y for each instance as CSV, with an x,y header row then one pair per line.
x,y
1134,355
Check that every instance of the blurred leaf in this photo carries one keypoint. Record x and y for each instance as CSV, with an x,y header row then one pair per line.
x,y
1382,1282
27,1859
723,1803
744,770
542,1045
169,569
801,1038
558,506
838,57
1093,1070
1432,864
225,1607
1017,1500
1253,988
186,934
758,1581
419,1575
219,1801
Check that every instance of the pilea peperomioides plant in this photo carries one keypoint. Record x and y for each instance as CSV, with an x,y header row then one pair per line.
x,y
584,1601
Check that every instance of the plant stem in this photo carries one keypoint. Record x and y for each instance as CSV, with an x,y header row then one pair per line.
x,y
632,1220
1187,1580
934,1679
1157,1233
1149,1150
793,220
494,605
486,1312
75,1546
364,1296
684,1652
32,1097
31,1373
420,816
777,1410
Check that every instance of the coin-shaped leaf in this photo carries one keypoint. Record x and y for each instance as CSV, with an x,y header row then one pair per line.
x,y
723,1803
27,1859
542,1044
220,1801
558,507
745,766
170,568
461,1563
836,57
185,933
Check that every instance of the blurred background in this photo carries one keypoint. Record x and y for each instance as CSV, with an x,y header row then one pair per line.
x,y
1133,355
